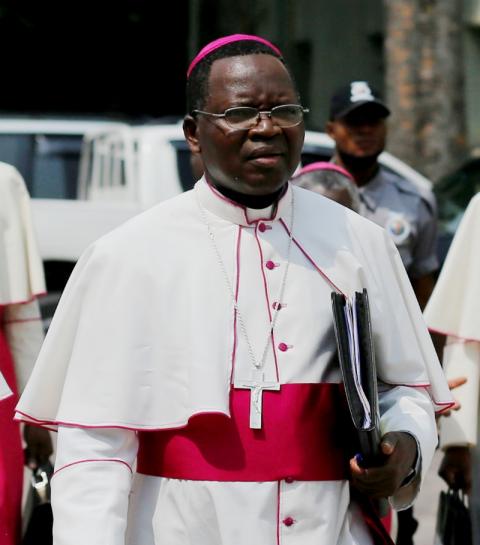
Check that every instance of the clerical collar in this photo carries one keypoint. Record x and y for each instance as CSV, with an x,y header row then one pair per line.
x,y
216,203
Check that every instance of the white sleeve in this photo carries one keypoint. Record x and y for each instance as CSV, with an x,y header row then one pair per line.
x,y
91,485
462,359
408,409
24,333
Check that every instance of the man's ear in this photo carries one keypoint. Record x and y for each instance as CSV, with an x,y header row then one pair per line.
x,y
330,129
190,130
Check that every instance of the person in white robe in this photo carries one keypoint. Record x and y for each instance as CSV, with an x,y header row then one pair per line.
x,y
453,311
192,362
21,335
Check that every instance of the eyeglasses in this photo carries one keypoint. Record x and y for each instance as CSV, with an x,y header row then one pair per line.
x,y
246,117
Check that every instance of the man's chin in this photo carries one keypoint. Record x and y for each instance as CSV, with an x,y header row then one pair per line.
x,y
358,161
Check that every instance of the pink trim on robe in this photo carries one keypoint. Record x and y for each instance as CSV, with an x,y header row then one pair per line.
x,y
447,334
237,287
265,285
9,322
310,259
115,460
25,302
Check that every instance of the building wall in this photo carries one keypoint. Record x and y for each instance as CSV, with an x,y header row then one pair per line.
x,y
333,43
472,71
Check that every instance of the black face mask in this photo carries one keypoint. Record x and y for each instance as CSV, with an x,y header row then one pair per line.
x,y
356,164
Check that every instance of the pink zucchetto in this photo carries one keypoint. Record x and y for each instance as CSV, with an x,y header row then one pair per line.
x,y
323,165
220,42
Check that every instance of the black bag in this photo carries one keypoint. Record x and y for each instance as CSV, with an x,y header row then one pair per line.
x,y
454,526
38,517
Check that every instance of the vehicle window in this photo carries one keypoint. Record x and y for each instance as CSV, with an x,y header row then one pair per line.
x,y
48,163
55,166
184,167
17,150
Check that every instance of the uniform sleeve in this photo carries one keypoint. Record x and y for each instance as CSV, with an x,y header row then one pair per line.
x,y
462,359
91,485
425,259
24,333
409,409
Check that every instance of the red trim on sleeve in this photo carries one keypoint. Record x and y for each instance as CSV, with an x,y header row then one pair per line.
x,y
8,322
25,302
447,334
92,460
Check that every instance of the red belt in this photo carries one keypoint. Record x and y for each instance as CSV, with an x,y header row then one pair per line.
x,y
302,438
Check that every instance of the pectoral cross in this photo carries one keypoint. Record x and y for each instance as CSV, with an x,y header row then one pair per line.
x,y
256,385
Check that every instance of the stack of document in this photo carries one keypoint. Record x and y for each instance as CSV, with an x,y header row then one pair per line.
x,y
356,356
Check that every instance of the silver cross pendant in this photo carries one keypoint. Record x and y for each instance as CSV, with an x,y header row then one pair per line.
x,y
256,385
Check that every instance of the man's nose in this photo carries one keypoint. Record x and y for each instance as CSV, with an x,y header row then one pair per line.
x,y
265,124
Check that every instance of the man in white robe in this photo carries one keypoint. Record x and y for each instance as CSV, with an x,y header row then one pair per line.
x,y
21,335
453,311
167,320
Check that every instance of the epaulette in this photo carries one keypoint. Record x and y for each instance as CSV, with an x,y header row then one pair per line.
x,y
405,185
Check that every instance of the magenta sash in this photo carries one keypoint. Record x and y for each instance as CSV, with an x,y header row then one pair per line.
x,y
303,438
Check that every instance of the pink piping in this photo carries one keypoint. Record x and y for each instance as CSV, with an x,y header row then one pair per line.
x,y
311,260
446,334
92,460
225,40
22,321
43,423
32,298
235,340
265,285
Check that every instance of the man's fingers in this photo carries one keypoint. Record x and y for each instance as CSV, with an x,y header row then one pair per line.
x,y
456,382
388,444
355,467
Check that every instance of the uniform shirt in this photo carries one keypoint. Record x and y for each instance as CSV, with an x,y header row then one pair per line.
x,y
408,213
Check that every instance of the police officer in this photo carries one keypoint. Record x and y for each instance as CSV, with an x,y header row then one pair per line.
x,y
407,211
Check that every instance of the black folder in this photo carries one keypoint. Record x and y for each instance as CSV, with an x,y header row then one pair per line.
x,y
356,354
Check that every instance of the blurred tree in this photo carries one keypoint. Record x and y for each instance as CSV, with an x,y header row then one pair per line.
x,y
424,83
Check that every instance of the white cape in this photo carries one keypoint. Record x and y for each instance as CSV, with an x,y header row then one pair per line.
x,y
454,308
142,337
21,271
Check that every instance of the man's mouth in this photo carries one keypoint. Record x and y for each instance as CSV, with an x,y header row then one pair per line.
x,y
266,156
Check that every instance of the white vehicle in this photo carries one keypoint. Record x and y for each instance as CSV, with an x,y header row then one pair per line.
x,y
147,164
121,171
46,151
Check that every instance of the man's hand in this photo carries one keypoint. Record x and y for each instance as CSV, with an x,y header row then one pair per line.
x,y
39,446
456,468
399,450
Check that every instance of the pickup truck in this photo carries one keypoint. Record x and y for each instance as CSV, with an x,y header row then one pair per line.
x,y
88,177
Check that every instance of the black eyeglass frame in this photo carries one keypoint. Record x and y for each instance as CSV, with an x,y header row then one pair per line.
x,y
256,117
